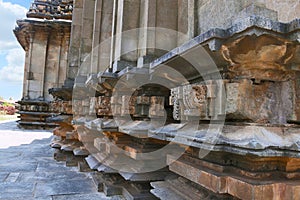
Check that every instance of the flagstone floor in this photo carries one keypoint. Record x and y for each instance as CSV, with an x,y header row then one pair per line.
x,y
29,171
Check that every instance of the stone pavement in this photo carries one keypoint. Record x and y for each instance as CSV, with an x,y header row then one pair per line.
x,y
29,171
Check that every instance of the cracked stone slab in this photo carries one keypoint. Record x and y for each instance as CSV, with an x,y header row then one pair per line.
x,y
12,177
16,166
95,196
29,198
48,176
14,190
3,176
63,187
51,167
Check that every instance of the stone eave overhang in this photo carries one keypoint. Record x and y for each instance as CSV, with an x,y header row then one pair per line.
x,y
24,27
213,40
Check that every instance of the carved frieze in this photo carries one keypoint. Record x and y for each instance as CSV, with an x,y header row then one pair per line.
x,y
240,100
64,107
195,100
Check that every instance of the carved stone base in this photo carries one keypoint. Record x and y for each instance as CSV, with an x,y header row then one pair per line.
x,y
179,188
229,180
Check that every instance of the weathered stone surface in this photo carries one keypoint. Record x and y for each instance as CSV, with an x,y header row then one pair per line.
x,y
181,188
29,172
92,162
63,187
81,151
254,80
261,58
150,176
226,181
86,197
110,184
16,190
249,139
55,9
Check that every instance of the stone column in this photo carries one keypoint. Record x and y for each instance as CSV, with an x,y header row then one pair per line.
x,y
128,18
62,74
73,57
167,18
102,35
146,37
186,20
37,63
27,72
106,34
96,36
52,61
86,36
113,30
119,28
60,38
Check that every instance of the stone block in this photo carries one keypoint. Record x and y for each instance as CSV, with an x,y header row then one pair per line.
x,y
52,188
100,144
92,162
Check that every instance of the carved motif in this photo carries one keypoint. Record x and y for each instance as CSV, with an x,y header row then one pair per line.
x,y
195,100
128,105
157,106
104,106
142,106
93,102
175,101
116,105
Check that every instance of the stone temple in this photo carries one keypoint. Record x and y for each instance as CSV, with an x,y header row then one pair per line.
x,y
169,99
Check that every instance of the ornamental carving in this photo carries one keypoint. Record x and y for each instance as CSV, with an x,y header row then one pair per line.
x,y
195,100
104,106
157,106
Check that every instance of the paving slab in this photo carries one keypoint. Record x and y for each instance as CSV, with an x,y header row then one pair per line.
x,y
17,166
28,169
50,176
64,187
96,196
53,167
3,176
29,198
12,177
13,190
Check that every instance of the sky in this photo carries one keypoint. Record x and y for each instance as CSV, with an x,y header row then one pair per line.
x,y
12,55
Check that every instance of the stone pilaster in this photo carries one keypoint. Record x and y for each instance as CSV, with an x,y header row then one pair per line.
x,y
37,63
62,74
27,73
73,57
186,20
146,37
96,36
86,41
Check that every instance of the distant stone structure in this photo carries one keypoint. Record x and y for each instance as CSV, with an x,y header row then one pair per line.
x,y
203,106
45,36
